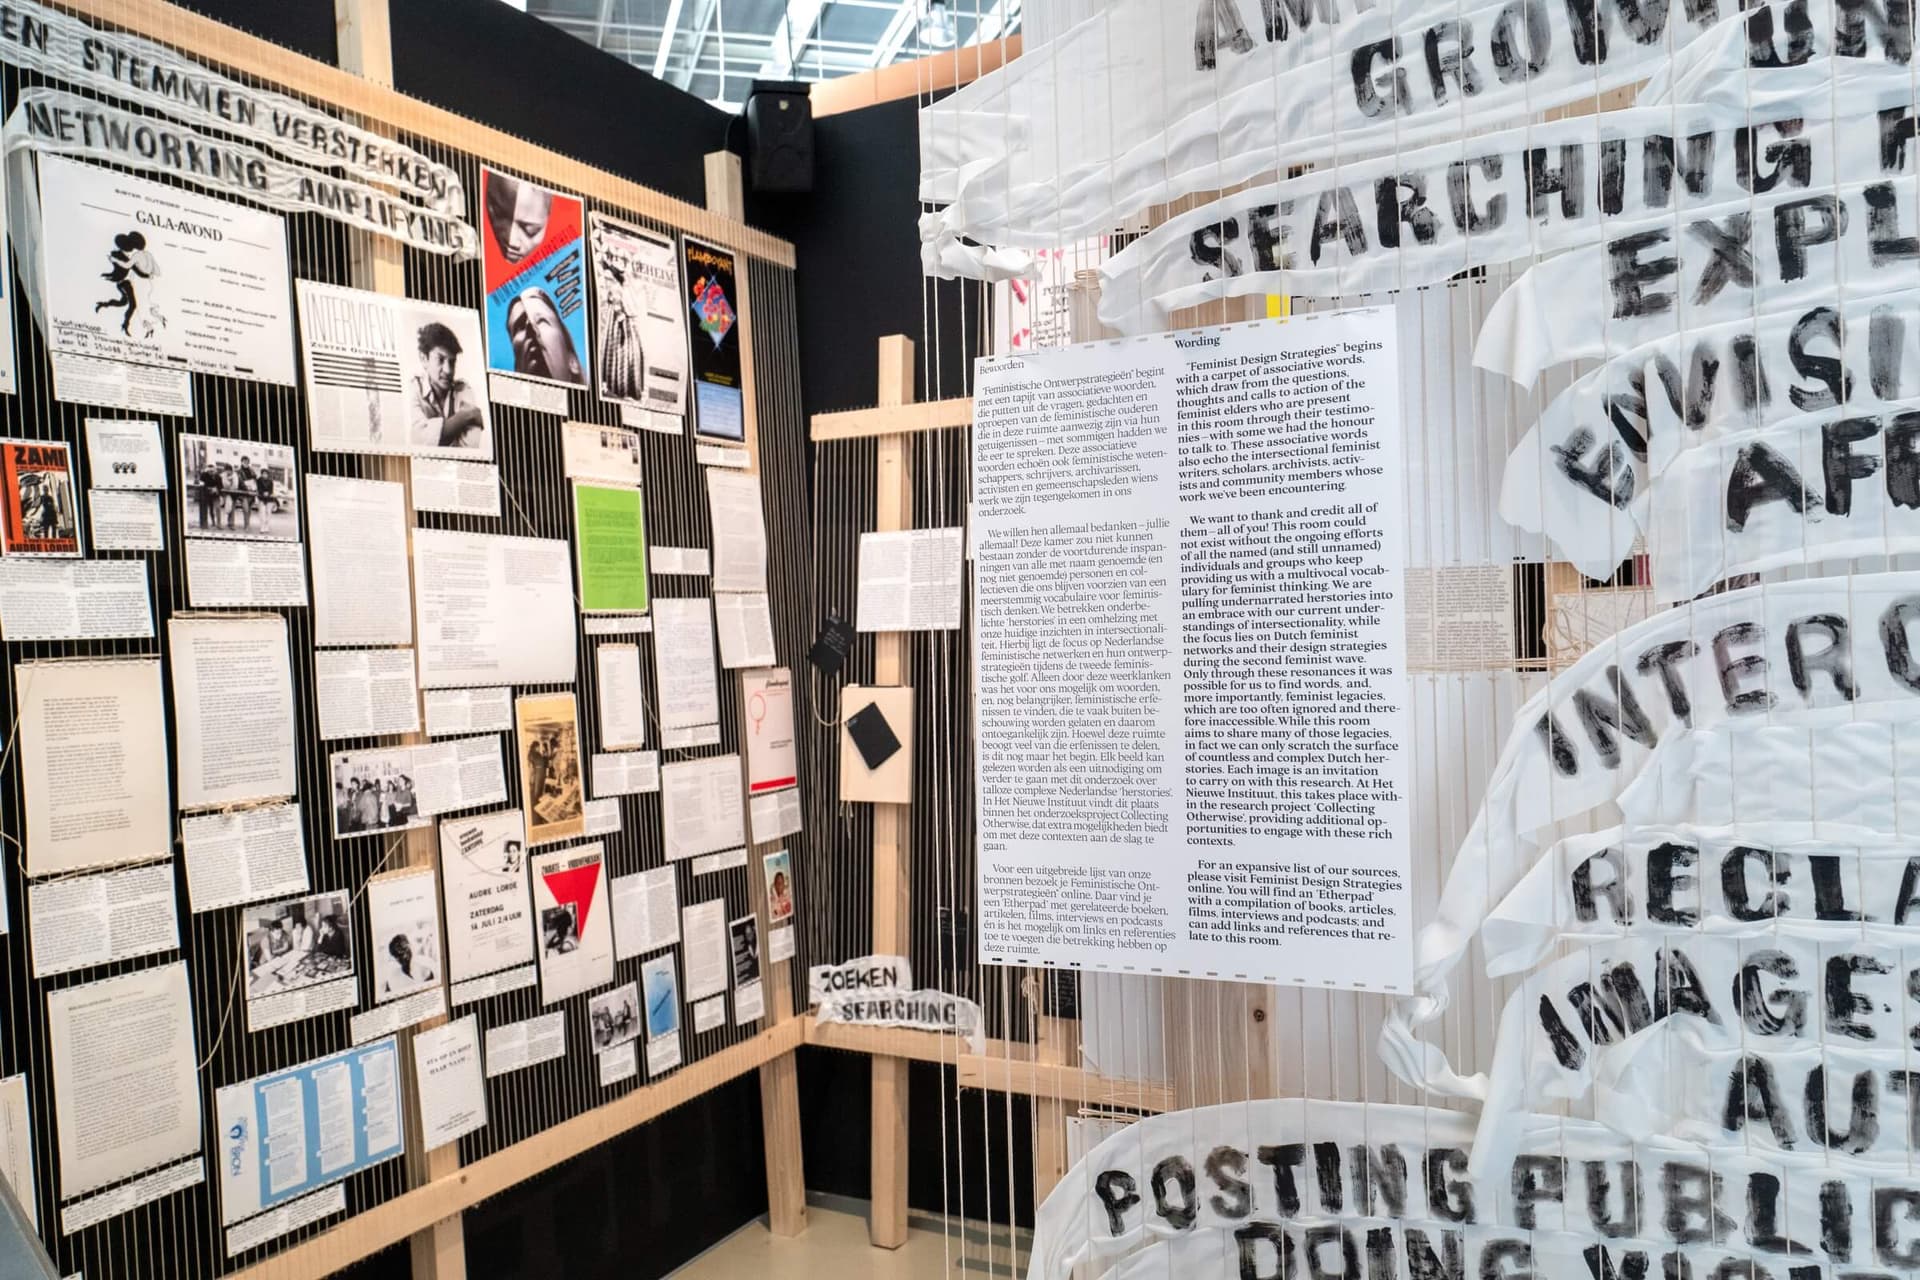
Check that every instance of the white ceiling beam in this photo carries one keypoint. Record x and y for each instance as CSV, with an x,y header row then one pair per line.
x,y
600,25
791,36
895,37
993,23
683,74
666,39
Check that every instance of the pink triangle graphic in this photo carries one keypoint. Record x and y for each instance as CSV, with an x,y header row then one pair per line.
x,y
574,886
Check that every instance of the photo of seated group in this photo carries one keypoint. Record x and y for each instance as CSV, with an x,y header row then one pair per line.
x,y
297,944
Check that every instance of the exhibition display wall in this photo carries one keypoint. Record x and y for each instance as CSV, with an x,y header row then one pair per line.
x,y
365,466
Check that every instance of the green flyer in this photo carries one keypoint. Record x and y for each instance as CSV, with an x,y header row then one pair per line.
x,y
610,539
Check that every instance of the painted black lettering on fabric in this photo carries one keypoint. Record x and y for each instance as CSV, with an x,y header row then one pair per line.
x,y
1628,1205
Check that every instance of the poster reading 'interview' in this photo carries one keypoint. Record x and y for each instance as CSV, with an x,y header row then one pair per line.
x,y
1191,655
713,303
535,261
151,274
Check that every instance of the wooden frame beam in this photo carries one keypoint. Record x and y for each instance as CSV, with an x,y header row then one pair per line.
x,y
931,74
210,41
892,420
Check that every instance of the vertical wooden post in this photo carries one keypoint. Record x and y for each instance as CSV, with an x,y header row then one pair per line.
x,y
779,1078
887,1223
1219,1038
366,48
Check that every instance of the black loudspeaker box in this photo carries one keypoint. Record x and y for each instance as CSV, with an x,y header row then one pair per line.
x,y
780,136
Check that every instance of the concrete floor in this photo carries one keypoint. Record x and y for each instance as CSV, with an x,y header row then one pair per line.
x,y
834,1245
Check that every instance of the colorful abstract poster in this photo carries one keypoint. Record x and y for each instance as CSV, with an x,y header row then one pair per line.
x,y
535,264
713,300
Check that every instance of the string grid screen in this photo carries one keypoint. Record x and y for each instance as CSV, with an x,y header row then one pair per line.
x,y
1210,1042
180,1235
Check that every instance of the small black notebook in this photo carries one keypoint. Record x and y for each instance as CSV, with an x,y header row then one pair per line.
x,y
872,735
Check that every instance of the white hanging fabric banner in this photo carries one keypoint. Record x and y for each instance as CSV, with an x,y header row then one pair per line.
x,y
115,64
1823,649
1749,880
1273,1188
1148,101
1417,218
1794,1041
1581,474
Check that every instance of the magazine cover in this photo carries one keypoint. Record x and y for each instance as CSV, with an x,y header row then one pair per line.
x,y
41,518
641,340
713,300
535,259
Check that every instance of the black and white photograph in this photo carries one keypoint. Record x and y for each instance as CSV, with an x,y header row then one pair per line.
x,y
403,910
642,339
614,1017
373,791
560,929
394,375
549,745
240,489
743,945
297,943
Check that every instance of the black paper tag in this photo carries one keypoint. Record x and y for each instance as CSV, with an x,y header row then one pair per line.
x,y
831,647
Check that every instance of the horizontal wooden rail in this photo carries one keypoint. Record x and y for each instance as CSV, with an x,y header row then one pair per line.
x,y
209,41
893,419
932,74
1003,1067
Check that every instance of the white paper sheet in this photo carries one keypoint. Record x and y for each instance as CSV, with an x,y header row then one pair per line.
x,y
489,922
207,290
625,773
493,610
701,806
93,763
600,817
285,1219
126,1092
739,532
469,711
244,855
359,533
709,1014
622,698
459,488
74,600
622,1062
126,520
78,1215
780,944
591,451
576,933
646,912
910,581
689,691
111,384
125,453
775,815
233,696
403,913
714,863
722,455
245,575
704,928
525,1044
364,693
398,1015
772,762
76,922
616,624
666,424
680,561
16,1145
743,622
461,774
496,984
